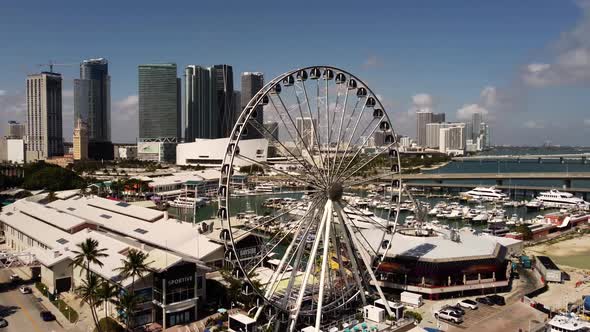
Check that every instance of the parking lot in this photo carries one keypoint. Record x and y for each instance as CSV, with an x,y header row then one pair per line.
x,y
21,311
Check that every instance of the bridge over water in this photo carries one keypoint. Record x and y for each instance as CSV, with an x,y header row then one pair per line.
x,y
500,178
583,157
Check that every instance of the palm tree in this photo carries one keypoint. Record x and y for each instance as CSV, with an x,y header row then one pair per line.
x,y
87,254
88,293
127,303
134,266
106,294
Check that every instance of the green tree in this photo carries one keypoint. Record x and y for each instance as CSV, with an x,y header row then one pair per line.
x,y
106,294
89,253
526,232
135,265
127,303
88,293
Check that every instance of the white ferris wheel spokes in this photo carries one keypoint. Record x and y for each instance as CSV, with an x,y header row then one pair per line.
x,y
333,134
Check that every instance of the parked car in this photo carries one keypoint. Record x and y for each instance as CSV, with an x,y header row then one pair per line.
x,y
47,316
467,303
3,323
25,290
484,300
456,309
15,277
449,315
497,299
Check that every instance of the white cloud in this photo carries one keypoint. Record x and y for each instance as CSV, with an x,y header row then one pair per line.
x,y
531,124
570,64
125,119
422,102
372,62
489,96
12,107
466,112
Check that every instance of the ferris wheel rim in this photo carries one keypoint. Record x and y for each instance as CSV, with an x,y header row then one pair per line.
x,y
236,136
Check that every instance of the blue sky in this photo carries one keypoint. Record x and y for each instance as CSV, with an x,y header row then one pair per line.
x,y
525,63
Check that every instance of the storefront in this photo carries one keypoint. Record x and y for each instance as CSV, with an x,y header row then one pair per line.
x,y
175,295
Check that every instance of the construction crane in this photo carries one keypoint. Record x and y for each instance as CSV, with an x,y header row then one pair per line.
x,y
51,64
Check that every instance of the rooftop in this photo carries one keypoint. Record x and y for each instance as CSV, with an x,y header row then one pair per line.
x,y
438,248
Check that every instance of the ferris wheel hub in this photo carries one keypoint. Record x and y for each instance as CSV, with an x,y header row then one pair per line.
x,y
335,191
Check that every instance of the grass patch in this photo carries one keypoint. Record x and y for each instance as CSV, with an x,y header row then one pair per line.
x,y
64,308
110,325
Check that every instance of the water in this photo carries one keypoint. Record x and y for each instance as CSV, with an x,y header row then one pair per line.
x,y
525,166
254,203
237,204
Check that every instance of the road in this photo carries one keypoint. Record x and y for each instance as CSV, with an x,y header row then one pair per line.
x,y
22,310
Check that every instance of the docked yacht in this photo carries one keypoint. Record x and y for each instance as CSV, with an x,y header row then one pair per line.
x,y
486,194
187,202
561,199
264,188
534,204
568,322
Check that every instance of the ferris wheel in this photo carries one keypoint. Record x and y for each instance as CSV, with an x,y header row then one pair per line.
x,y
335,135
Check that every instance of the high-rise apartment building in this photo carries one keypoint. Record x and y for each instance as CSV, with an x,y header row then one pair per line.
x,y
438,117
200,103
159,102
422,119
92,99
476,120
80,139
224,82
306,127
15,130
452,139
44,116
433,133
252,82
272,127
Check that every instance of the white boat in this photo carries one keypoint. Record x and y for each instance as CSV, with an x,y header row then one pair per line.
x,y
534,204
455,214
433,212
264,187
556,198
486,194
567,322
481,217
187,202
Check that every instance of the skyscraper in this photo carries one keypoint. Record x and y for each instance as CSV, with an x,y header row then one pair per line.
x,y
476,120
422,118
200,103
15,130
452,139
159,102
252,82
80,139
305,126
44,116
224,82
438,117
92,99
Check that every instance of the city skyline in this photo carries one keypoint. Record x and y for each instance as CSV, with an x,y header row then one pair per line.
x,y
525,70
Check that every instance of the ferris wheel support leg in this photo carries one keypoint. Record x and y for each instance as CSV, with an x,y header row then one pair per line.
x,y
310,263
367,261
276,273
318,317
351,255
